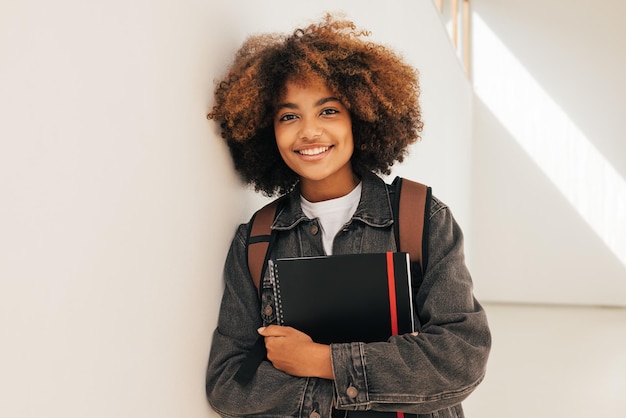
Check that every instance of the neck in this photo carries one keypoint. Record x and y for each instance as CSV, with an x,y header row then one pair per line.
x,y
318,191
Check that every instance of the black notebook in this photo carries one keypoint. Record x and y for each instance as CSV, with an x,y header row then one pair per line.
x,y
344,298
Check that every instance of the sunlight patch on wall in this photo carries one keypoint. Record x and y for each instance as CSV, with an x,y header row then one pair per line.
x,y
586,179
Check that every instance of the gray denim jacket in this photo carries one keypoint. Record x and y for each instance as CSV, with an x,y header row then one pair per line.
x,y
428,374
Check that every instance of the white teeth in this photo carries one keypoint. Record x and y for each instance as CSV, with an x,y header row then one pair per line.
x,y
313,151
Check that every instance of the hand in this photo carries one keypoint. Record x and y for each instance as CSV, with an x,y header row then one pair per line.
x,y
295,353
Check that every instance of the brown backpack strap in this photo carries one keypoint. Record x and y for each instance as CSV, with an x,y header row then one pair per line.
x,y
413,207
259,240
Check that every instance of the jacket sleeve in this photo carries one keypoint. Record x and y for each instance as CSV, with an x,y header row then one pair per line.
x,y
440,366
270,392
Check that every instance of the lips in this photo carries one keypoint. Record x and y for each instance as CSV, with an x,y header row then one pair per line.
x,y
313,151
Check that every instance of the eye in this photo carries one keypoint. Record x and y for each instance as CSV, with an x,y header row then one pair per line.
x,y
329,111
287,117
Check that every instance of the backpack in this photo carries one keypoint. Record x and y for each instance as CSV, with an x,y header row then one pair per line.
x,y
411,205
410,202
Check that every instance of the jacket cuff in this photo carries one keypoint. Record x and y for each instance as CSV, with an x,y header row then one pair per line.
x,y
317,399
350,379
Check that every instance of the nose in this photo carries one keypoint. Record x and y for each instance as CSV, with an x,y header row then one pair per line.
x,y
311,129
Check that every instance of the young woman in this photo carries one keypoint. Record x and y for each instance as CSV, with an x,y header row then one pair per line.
x,y
315,116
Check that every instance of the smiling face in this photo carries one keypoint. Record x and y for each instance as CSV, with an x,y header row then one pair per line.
x,y
314,136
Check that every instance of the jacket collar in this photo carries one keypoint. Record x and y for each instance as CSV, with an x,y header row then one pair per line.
x,y
374,208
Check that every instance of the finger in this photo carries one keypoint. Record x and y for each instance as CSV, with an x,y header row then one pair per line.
x,y
273,331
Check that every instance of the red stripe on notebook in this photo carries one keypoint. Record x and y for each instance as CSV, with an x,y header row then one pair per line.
x,y
391,281
393,307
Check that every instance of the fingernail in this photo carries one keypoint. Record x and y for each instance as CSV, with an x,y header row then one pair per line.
x,y
260,330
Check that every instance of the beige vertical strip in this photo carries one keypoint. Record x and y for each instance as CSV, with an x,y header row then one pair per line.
x,y
439,4
455,23
466,36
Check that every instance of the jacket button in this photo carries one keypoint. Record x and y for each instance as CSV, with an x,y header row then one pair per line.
x,y
315,415
314,229
352,392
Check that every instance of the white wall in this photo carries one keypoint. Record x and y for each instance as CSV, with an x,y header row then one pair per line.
x,y
119,201
549,165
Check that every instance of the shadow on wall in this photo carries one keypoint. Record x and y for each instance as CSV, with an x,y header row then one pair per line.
x,y
566,156
530,244
574,52
537,176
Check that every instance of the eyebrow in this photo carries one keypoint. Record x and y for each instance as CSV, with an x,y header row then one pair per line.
x,y
318,103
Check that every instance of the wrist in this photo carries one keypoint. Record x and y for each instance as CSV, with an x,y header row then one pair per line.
x,y
323,361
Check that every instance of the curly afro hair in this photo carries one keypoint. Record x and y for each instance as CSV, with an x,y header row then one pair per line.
x,y
376,86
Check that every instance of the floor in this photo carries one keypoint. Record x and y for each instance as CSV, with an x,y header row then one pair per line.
x,y
553,361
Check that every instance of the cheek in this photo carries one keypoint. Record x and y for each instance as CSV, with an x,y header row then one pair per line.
x,y
283,144
279,134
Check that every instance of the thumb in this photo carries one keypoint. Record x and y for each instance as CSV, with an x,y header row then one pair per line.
x,y
273,331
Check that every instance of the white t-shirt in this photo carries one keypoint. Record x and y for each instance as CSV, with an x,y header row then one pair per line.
x,y
332,214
